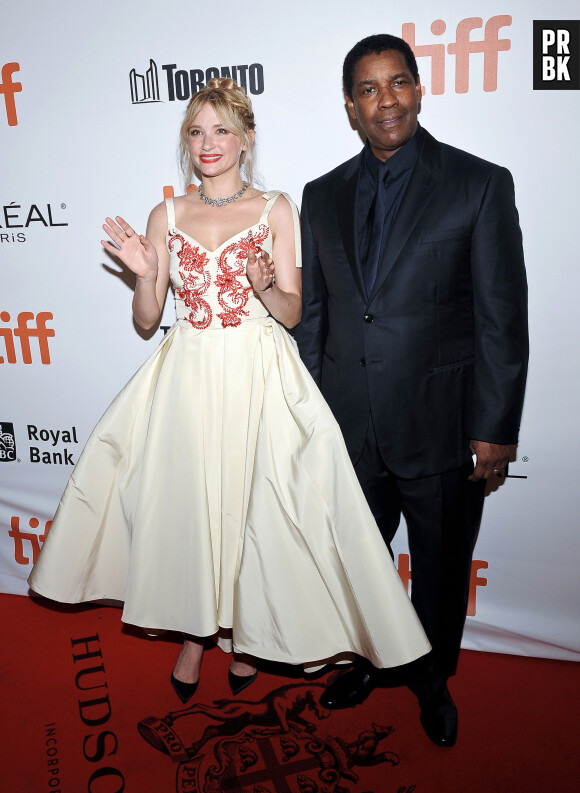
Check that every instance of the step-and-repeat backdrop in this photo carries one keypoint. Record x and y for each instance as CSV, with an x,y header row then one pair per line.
x,y
91,98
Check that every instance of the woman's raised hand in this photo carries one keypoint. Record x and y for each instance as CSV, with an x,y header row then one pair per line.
x,y
134,250
260,270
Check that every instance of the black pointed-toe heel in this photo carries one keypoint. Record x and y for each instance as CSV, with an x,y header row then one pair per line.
x,y
184,691
238,682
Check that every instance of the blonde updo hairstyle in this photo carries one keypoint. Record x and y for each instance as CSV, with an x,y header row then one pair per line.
x,y
234,110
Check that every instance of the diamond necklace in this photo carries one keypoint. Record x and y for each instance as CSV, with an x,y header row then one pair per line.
x,y
219,202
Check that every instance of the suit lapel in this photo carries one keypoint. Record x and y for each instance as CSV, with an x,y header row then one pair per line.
x,y
346,209
417,198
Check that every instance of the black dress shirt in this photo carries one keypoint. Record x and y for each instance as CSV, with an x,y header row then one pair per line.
x,y
400,167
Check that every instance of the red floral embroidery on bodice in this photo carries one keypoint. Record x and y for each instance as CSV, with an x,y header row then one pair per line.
x,y
233,293
196,281
211,287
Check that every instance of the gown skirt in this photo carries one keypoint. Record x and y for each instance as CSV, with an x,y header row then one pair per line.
x,y
217,492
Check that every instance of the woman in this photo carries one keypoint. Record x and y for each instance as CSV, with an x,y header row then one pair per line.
x,y
216,493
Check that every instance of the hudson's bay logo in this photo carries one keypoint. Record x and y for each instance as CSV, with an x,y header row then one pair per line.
x,y
183,83
7,442
266,745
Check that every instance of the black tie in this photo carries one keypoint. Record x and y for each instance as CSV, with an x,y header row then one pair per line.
x,y
373,233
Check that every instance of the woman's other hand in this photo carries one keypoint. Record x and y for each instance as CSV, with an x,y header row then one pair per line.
x,y
260,270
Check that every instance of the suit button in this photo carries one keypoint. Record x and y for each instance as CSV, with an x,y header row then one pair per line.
x,y
368,317
363,361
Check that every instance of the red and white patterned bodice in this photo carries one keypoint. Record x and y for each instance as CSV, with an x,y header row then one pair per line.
x,y
211,287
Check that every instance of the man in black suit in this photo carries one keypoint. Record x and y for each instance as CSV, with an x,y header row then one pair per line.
x,y
414,326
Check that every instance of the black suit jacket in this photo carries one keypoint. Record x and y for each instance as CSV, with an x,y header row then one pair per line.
x,y
438,351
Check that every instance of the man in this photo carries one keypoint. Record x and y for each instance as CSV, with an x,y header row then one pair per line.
x,y
414,326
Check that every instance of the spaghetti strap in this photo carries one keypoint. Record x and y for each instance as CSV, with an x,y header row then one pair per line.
x,y
170,209
271,198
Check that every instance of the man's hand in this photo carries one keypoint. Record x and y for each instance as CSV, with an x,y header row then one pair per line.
x,y
492,459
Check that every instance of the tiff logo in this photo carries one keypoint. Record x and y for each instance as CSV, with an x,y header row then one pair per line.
x,y
463,47
145,87
23,332
7,442
8,87
475,580
20,537
556,55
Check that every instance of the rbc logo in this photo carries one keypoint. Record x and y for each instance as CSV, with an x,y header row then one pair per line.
x,y
7,443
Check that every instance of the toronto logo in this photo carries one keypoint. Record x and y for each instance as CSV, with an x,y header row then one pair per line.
x,y
184,83
145,87
268,745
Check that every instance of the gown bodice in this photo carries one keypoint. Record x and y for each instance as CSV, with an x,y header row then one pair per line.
x,y
211,287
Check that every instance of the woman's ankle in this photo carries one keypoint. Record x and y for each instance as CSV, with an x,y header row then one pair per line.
x,y
188,663
243,665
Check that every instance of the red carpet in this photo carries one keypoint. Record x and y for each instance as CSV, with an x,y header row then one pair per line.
x,y
87,706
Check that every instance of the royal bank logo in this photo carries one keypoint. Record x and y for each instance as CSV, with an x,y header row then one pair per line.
x,y
182,84
7,443
556,55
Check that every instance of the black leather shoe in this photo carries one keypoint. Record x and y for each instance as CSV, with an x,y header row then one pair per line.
x,y
184,691
439,717
350,689
240,682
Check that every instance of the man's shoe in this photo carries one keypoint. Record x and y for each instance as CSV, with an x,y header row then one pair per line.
x,y
350,689
439,718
